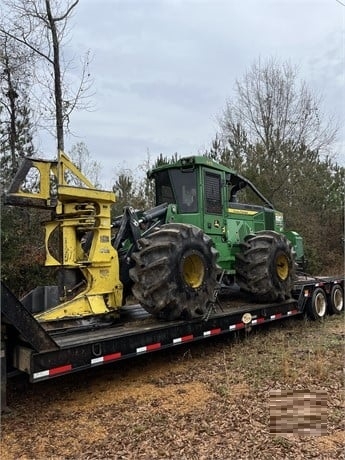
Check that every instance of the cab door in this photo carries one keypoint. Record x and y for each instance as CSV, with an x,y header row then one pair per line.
x,y
213,200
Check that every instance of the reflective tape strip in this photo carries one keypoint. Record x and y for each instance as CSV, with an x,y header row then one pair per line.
x,y
185,338
112,356
277,316
292,312
60,370
151,347
106,358
53,371
212,332
39,375
258,321
232,327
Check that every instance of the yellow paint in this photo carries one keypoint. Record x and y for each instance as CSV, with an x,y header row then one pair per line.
x,y
282,266
193,271
79,211
242,211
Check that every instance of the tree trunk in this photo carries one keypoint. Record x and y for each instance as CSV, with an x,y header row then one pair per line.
x,y
57,80
11,94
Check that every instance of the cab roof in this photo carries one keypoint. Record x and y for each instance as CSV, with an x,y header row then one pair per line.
x,y
192,161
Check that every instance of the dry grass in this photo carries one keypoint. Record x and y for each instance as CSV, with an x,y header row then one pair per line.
x,y
207,400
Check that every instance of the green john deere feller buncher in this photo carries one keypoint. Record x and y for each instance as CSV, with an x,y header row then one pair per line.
x,y
208,222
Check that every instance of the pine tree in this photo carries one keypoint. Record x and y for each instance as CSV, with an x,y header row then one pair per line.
x,y
16,126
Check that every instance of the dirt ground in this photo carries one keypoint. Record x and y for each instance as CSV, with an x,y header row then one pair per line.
x,y
206,400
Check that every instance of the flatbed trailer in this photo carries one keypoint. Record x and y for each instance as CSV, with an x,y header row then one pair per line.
x,y
27,347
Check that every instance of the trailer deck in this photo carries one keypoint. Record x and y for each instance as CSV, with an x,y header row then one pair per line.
x,y
80,350
45,354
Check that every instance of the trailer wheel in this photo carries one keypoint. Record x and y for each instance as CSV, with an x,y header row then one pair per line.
x,y
336,300
265,266
317,306
175,272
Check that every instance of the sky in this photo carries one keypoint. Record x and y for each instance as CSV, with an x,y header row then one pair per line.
x,y
162,70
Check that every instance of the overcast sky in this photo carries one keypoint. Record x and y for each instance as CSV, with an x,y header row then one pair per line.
x,y
163,69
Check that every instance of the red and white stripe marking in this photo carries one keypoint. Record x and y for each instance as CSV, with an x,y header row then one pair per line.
x,y
212,332
233,327
277,316
257,321
106,358
151,347
52,372
185,338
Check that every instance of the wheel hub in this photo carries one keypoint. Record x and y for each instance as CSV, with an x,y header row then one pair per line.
x,y
193,270
282,266
320,304
338,300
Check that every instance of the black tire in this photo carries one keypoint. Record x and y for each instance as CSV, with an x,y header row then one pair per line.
x,y
265,266
175,272
317,306
336,300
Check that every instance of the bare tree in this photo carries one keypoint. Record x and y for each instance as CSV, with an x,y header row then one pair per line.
x,y
81,157
273,130
273,110
41,26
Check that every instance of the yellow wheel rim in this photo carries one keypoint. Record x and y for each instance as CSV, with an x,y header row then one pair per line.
x,y
193,270
282,266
